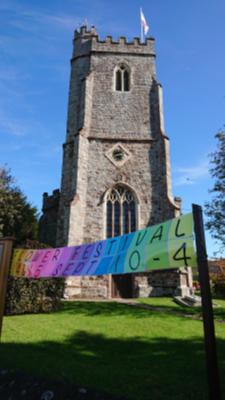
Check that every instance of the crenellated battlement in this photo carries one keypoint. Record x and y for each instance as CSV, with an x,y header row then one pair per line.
x,y
87,41
51,201
85,32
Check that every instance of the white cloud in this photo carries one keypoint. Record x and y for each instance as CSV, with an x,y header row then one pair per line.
x,y
191,175
12,126
35,22
65,21
46,152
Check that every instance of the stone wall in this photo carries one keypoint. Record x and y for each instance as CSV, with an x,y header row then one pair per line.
x,y
33,295
87,287
172,282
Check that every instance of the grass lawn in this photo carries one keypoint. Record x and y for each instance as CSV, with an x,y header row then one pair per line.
x,y
142,354
166,304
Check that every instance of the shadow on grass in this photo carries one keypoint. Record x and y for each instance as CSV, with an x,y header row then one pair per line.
x,y
109,309
141,310
106,309
156,369
196,312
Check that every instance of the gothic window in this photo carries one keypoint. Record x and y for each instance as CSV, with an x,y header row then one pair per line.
x,y
122,79
121,211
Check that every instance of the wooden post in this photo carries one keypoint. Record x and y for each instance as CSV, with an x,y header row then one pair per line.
x,y
207,309
6,245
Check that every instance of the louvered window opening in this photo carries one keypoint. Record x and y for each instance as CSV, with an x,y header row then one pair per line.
x,y
122,79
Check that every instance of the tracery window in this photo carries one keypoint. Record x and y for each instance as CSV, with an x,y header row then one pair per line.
x,y
122,79
121,211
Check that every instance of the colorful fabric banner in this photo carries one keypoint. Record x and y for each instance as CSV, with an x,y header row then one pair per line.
x,y
166,245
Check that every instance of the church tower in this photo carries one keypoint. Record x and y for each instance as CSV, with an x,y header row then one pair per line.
x,y
116,166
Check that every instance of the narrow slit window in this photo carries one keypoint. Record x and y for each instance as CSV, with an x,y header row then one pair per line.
x,y
126,81
118,80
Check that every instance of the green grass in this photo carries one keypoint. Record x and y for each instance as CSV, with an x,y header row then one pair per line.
x,y
168,305
142,354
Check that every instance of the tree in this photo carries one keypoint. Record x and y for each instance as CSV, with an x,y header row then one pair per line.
x,y
18,217
215,209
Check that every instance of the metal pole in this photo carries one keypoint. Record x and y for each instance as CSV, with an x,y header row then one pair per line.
x,y
207,309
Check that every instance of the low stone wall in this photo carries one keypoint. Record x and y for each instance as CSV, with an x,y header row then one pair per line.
x,y
33,295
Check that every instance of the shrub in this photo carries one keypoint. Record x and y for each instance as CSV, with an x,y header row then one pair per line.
x,y
218,284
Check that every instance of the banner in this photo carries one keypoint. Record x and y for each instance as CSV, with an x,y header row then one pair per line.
x,y
162,246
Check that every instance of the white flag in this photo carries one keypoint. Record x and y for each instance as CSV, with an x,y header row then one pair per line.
x,y
144,23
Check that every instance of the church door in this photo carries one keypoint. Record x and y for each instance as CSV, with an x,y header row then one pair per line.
x,y
121,219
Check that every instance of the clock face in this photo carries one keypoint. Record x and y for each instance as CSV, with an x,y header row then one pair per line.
x,y
118,154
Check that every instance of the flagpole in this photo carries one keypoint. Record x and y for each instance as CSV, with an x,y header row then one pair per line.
x,y
142,28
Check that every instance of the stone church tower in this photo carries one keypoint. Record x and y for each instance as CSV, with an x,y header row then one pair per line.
x,y
116,166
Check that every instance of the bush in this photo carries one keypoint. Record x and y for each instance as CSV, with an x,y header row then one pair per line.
x,y
33,295
218,284
25,295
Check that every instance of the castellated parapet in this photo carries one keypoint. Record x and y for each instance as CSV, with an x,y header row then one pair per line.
x,y
51,201
87,41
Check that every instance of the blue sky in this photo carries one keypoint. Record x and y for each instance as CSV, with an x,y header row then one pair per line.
x,y
35,49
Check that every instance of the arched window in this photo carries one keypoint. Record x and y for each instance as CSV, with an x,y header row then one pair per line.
x,y
122,79
121,211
